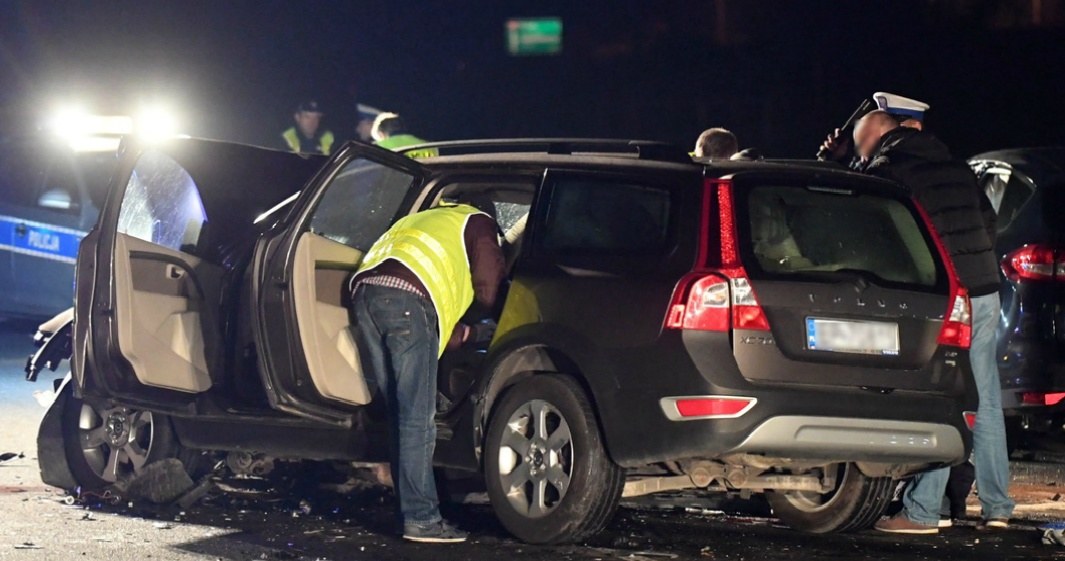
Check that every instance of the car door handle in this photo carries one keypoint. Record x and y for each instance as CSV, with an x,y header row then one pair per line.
x,y
21,230
174,272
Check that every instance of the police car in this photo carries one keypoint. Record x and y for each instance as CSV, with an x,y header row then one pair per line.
x,y
50,196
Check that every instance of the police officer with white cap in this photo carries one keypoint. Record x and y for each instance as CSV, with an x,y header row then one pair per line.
x,y
965,222
906,111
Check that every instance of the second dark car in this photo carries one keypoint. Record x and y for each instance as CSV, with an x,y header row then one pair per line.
x,y
1027,189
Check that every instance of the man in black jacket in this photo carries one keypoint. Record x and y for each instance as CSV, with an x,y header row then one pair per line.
x,y
964,220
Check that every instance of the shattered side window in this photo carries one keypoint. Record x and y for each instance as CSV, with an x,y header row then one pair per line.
x,y
162,204
360,203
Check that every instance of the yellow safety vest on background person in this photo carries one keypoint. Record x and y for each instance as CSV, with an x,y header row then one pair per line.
x,y
399,141
325,143
432,244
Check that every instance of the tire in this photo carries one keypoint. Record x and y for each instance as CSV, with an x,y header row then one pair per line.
x,y
856,504
564,466
106,445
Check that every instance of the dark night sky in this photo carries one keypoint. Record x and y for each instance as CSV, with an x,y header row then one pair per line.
x,y
780,74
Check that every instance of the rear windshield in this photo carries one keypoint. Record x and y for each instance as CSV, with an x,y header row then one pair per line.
x,y
822,232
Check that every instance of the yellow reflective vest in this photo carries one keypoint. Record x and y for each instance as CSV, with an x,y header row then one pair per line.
x,y
292,139
432,244
397,142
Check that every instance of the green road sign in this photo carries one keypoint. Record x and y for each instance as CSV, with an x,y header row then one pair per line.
x,y
534,36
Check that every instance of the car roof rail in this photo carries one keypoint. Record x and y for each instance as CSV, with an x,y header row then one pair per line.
x,y
808,162
643,149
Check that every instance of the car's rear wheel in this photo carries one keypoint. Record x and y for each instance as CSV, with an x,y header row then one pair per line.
x,y
856,503
548,474
105,445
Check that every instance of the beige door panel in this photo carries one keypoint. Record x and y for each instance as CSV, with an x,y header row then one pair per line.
x,y
319,277
166,330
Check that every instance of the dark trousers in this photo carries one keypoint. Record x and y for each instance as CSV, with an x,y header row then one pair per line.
x,y
958,487
398,343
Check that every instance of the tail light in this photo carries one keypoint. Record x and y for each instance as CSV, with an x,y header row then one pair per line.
x,y
970,419
1034,262
1042,399
723,299
716,302
957,330
690,408
746,312
706,307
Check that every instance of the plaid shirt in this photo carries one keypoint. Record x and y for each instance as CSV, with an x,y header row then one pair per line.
x,y
388,281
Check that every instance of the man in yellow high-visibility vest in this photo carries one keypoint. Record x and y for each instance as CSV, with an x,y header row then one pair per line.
x,y
307,136
411,290
390,131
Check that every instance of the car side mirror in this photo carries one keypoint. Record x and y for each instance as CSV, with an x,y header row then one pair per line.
x,y
58,199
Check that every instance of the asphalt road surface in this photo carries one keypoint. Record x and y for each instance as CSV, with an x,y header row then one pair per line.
x,y
297,523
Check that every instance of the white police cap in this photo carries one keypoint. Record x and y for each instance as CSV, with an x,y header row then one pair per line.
x,y
901,106
367,112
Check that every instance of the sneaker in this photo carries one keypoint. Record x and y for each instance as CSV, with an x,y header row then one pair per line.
x,y
900,524
994,525
436,532
945,523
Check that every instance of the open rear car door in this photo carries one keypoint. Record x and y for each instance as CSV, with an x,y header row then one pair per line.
x,y
308,358
172,242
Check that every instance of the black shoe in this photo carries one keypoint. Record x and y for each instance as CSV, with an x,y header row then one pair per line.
x,y
436,532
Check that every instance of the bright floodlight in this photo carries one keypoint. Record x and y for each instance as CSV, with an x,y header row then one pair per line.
x,y
85,132
155,124
71,124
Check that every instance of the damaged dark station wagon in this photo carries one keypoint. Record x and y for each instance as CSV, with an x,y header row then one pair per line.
x,y
776,327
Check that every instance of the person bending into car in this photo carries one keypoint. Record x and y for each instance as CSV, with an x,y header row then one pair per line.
x,y
965,221
413,287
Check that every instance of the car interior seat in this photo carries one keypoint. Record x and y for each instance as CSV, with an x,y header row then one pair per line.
x,y
775,245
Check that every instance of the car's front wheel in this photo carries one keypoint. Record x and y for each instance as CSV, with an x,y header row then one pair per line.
x,y
856,503
548,474
106,445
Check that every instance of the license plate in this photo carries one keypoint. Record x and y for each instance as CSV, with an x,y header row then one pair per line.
x,y
848,336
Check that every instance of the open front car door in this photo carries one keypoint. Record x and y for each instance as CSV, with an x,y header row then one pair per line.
x,y
173,243
308,358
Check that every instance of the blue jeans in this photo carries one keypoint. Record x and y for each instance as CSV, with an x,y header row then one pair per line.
x,y
396,332
924,496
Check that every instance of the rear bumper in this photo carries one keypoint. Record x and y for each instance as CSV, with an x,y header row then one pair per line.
x,y
800,421
1029,368
1031,348
868,440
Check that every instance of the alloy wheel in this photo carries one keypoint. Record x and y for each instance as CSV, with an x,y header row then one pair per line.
x,y
536,458
116,442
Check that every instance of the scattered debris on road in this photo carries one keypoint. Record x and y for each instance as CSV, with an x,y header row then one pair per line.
x,y
160,482
8,456
199,491
45,398
1053,533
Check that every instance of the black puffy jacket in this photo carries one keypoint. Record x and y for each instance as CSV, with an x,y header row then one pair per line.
x,y
948,192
